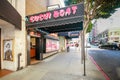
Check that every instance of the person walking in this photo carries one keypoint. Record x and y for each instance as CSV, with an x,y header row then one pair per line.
x,y
68,47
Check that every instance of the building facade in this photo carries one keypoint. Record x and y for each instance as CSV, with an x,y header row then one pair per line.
x,y
109,35
13,35
16,38
102,37
47,42
114,35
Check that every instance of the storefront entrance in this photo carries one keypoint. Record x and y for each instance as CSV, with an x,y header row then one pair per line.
x,y
35,49
32,50
60,20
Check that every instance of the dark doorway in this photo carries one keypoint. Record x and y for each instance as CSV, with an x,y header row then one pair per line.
x,y
35,49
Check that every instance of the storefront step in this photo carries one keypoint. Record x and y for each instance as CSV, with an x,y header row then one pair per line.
x,y
4,72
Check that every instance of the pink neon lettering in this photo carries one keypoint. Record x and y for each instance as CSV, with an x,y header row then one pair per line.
x,y
68,12
40,17
32,19
36,18
49,15
56,14
62,13
45,16
74,8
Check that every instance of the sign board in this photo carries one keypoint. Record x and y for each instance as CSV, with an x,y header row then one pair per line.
x,y
53,7
62,14
74,34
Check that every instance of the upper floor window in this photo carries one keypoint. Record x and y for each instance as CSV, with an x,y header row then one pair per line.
x,y
110,33
116,32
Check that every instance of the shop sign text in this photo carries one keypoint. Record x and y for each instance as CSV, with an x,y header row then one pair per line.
x,y
54,14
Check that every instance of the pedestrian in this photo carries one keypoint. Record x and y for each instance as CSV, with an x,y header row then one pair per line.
x,y
76,44
68,48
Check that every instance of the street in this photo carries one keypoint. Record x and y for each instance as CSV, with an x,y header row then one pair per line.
x,y
108,60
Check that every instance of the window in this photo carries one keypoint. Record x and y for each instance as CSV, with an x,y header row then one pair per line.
x,y
116,33
110,33
116,38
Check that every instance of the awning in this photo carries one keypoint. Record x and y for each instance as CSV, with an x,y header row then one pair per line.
x,y
9,14
60,20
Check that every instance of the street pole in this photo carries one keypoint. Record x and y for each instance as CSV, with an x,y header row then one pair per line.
x,y
81,48
83,52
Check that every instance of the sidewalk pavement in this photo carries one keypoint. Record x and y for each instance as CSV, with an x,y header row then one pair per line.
x,y
62,66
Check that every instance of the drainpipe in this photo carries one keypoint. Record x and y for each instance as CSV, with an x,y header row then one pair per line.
x,y
18,68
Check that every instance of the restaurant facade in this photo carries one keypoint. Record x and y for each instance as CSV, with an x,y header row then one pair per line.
x,y
59,20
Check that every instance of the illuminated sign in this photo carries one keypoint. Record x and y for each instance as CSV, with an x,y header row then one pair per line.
x,y
74,34
55,14
71,14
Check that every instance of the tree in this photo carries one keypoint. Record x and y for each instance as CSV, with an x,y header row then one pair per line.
x,y
97,9
90,25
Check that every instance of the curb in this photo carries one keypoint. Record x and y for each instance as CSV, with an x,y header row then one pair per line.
x,y
99,68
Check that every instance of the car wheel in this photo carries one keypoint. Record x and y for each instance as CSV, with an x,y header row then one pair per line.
x,y
116,49
113,48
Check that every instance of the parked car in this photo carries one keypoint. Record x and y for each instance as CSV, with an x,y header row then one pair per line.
x,y
113,46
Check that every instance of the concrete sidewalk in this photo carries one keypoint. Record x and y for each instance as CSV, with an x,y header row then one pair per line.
x,y
63,66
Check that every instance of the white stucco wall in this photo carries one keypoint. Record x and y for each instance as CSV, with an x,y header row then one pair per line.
x,y
62,43
20,36
8,31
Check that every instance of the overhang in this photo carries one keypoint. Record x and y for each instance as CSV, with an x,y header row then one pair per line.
x,y
9,14
60,20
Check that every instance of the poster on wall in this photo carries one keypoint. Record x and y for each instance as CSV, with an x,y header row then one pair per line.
x,y
8,50
48,45
51,45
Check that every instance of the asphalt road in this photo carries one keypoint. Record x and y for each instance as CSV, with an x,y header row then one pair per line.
x,y
108,60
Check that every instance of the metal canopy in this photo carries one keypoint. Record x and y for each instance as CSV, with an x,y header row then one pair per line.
x,y
63,28
60,20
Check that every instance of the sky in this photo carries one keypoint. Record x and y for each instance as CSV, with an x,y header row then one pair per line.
x,y
111,22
